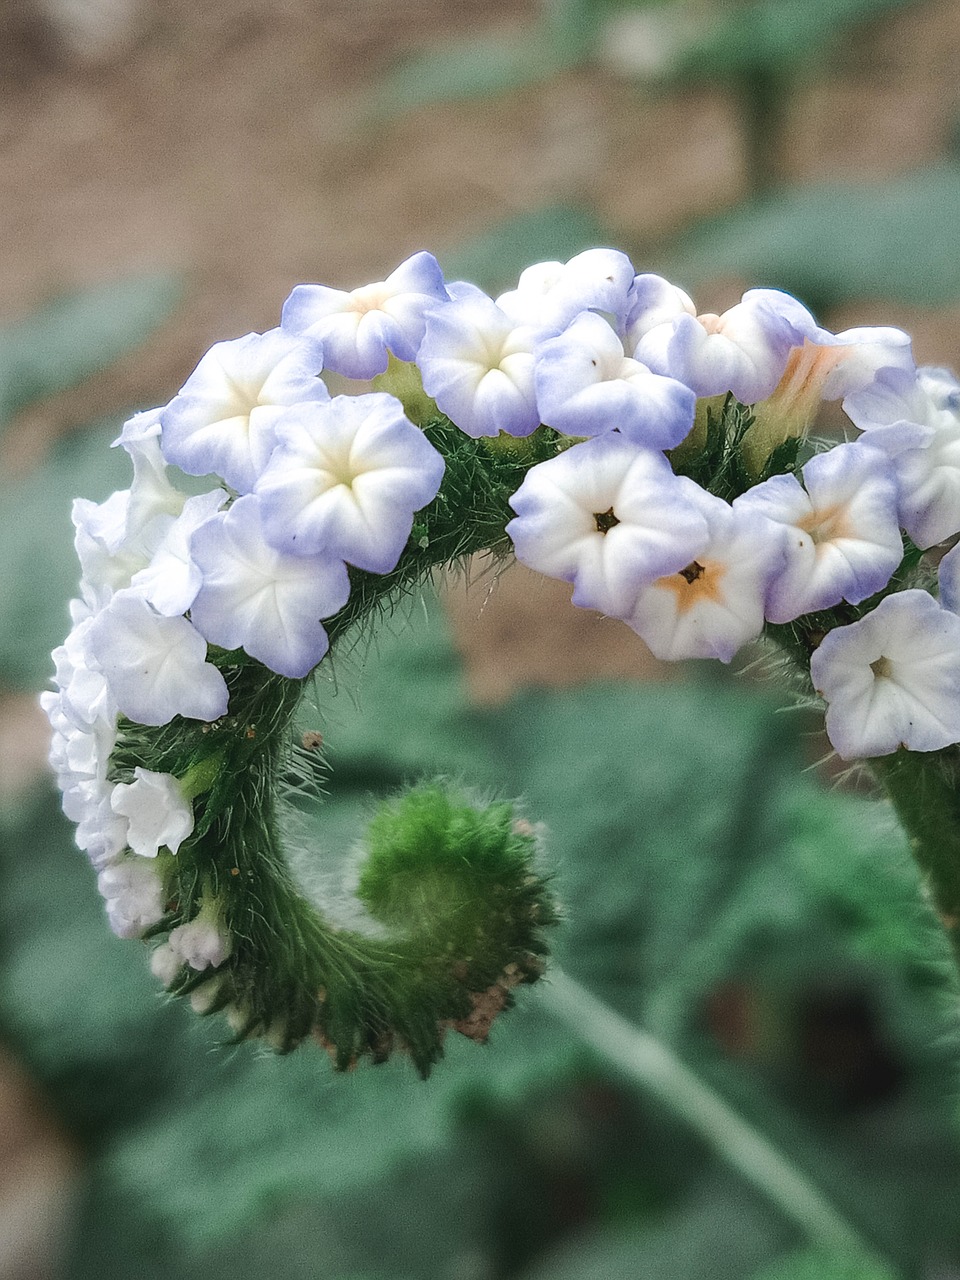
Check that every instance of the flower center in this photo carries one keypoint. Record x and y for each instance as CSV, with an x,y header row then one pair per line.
x,y
882,668
370,298
827,524
711,322
696,584
605,520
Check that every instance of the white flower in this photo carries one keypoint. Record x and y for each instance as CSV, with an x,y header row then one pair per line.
x,y
201,943
586,386
715,603
948,575
171,580
151,494
84,694
744,350
155,666
224,417
133,891
653,301
914,419
107,560
842,539
115,539
346,479
892,679
158,813
100,833
768,344
477,364
608,516
358,329
550,294
262,600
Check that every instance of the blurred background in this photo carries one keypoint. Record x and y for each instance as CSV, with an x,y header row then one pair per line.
x,y
169,171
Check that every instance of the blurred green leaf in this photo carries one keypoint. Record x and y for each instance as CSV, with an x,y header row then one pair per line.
x,y
390,710
810,1264
486,65
479,67
38,568
771,35
720,1232
495,259
79,334
896,241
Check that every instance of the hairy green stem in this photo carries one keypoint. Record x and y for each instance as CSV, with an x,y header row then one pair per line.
x,y
656,1068
925,791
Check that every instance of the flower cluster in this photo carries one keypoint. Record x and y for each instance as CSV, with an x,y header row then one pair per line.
x,y
663,466
304,488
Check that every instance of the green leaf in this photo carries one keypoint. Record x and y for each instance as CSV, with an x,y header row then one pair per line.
x,y
38,568
487,65
79,334
772,35
898,241
811,1264
478,67
717,1233
495,259
389,709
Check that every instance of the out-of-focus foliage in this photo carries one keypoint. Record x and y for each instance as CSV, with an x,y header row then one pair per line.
x,y
495,259
79,334
771,35
53,349
811,1264
712,896
897,240
38,567
726,42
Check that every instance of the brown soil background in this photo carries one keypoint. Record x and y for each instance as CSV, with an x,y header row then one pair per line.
x,y
228,142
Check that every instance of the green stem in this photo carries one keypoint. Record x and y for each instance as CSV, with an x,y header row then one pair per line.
x,y
925,791
653,1065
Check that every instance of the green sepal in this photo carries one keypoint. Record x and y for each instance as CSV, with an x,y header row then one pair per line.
x,y
718,466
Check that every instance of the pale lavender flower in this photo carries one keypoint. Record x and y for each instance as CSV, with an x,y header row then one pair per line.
x,y
477,364
223,420
346,479
914,419
841,535
261,600
767,343
609,517
948,575
550,294
155,666
586,386
359,328
171,580
744,350
201,943
653,301
892,679
715,603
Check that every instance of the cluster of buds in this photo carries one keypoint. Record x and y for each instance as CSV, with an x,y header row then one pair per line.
x,y
658,459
